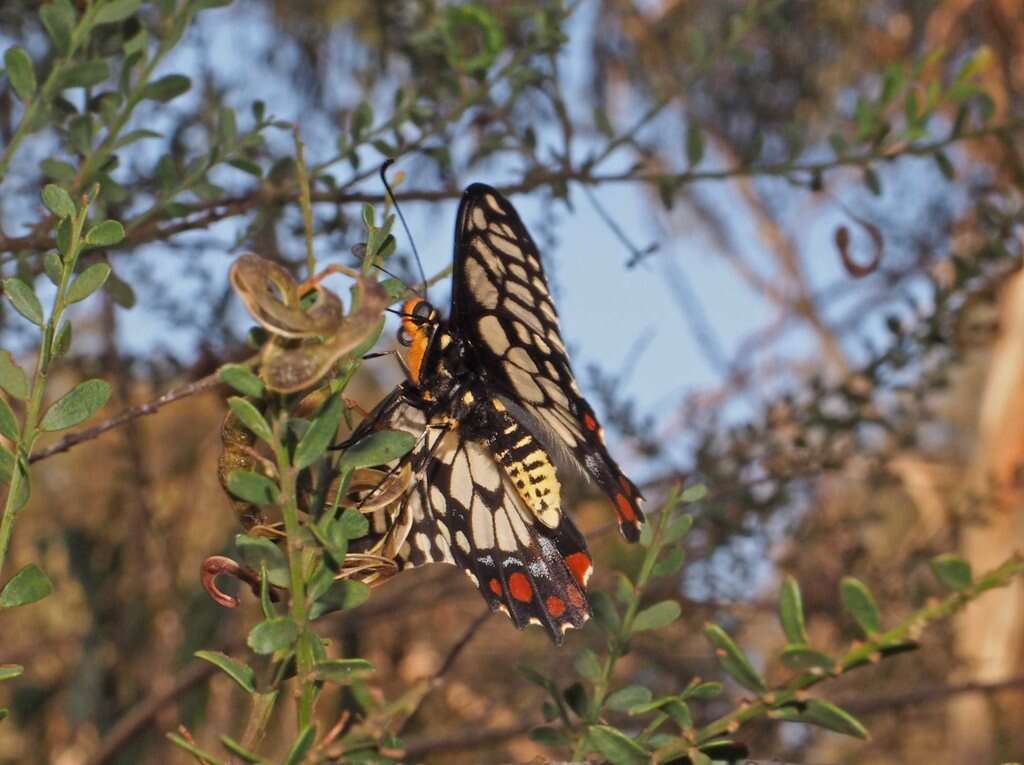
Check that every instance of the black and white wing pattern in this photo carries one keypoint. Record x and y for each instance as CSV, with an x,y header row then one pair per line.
x,y
464,509
502,306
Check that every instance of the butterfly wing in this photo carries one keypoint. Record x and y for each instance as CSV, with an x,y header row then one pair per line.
x,y
463,509
502,306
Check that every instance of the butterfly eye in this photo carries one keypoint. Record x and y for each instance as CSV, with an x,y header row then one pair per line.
x,y
423,310
404,337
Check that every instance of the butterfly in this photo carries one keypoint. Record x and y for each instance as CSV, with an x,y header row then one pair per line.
x,y
500,423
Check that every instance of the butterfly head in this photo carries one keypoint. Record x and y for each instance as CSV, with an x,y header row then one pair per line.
x,y
419,321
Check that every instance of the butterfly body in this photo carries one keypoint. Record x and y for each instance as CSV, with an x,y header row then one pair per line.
x,y
494,405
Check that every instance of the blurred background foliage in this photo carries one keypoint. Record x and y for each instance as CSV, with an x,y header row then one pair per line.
x,y
871,419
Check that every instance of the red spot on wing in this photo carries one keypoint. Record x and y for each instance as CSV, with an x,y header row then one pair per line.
x,y
495,586
520,588
626,510
579,565
556,606
589,421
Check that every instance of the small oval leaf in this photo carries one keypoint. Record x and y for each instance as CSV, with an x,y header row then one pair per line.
x,y
27,586
77,405
659,615
24,300
250,416
801,657
791,611
630,696
252,487
952,571
8,423
320,434
861,604
90,280
242,379
341,671
377,449
12,377
167,88
733,661
615,746
241,673
58,201
273,635
10,671
20,72
105,234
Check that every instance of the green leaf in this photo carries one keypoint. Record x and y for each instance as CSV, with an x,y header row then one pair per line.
x,y
57,170
669,563
58,201
303,743
791,611
587,664
548,735
90,280
116,10
8,423
694,144
20,72
242,379
27,586
260,551
53,267
615,746
862,607
341,671
24,300
167,88
825,715
630,696
273,635
238,671
59,19
10,671
803,657
120,291
704,691
12,378
250,416
320,434
342,595
240,751
7,462
252,487
85,75
732,659
353,524
77,405
659,615
62,342
377,449
105,234
952,571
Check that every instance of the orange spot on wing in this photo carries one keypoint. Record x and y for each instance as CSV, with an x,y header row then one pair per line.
x,y
590,422
495,586
626,510
520,588
556,606
579,565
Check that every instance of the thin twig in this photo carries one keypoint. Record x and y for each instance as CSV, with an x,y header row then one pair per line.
x,y
129,414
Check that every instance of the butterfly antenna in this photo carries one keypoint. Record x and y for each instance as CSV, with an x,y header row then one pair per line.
x,y
405,226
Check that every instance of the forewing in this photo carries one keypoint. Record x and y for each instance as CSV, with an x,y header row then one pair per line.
x,y
501,304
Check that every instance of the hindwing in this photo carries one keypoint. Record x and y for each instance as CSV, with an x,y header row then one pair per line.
x,y
464,508
502,307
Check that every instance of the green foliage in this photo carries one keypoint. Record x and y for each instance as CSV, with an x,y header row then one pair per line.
x,y
27,586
